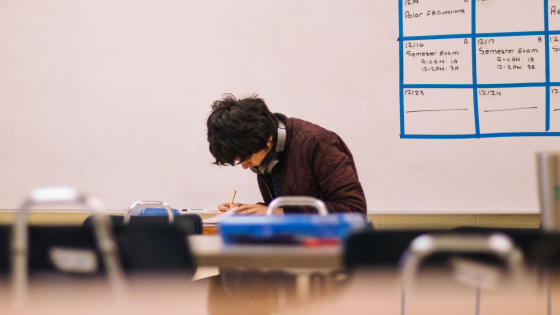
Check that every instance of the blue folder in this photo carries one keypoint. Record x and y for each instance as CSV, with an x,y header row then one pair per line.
x,y
289,229
157,211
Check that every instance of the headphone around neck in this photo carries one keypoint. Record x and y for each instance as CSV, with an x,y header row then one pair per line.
x,y
274,156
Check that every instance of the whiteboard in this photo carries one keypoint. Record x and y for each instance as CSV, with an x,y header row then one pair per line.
x,y
111,97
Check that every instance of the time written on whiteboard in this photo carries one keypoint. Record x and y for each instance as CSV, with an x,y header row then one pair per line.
x,y
499,53
435,65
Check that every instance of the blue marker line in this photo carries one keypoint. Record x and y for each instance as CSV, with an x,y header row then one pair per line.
x,y
484,135
511,85
480,86
547,67
401,71
429,37
439,136
438,86
509,34
475,81
521,134
553,32
504,34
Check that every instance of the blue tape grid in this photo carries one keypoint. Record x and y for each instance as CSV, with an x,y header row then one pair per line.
x,y
401,69
473,35
475,80
547,64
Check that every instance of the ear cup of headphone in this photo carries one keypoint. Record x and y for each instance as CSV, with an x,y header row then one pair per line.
x,y
268,167
274,156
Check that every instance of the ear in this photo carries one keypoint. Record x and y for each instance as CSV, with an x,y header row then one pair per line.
x,y
269,143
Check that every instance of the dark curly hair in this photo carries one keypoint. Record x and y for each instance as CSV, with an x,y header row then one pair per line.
x,y
237,128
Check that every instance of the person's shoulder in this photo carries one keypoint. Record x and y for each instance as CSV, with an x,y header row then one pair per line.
x,y
304,128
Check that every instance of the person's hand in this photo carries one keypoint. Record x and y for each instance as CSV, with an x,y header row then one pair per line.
x,y
225,207
255,209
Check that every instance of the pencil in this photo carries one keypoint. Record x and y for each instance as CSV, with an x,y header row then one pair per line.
x,y
232,198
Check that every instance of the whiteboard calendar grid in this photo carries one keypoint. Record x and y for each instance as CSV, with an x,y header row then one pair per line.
x,y
495,109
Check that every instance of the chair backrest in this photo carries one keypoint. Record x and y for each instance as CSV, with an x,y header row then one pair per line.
x,y
378,248
152,248
383,248
541,248
19,239
138,205
190,224
454,250
544,253
297,201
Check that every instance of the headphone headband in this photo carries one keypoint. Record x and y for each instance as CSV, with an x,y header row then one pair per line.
x,y
281,138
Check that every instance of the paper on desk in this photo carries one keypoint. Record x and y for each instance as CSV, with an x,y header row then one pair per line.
x,y
219,218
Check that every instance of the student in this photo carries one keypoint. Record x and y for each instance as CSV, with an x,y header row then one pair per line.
x,y
313,161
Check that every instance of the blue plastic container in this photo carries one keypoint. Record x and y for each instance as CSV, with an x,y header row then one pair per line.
x,y
289,229
156,211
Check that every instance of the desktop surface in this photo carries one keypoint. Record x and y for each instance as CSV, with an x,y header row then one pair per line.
x,y
209,250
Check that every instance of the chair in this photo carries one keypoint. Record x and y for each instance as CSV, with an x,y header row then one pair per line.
x,y
378,248
98,249
190,224
541,248
461,251
383,248
469,261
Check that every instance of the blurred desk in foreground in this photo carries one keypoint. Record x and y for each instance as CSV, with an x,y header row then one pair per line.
x,y
210,251
384,292
366,293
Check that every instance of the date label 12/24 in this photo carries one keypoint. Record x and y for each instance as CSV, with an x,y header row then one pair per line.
x,y
489,93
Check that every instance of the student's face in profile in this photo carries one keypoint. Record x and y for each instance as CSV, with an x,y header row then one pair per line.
x,y
257,158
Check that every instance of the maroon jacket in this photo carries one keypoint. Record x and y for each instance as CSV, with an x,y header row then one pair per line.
x,y
316,163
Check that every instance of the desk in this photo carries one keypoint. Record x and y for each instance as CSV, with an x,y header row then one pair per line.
x,y
209,250
305,263
210,229
367,293
382,292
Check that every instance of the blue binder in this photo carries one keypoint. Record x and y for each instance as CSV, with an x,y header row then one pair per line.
x,y
289,229
156,211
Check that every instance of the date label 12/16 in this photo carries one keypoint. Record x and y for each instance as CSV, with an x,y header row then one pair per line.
x,y
414,92
489,93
